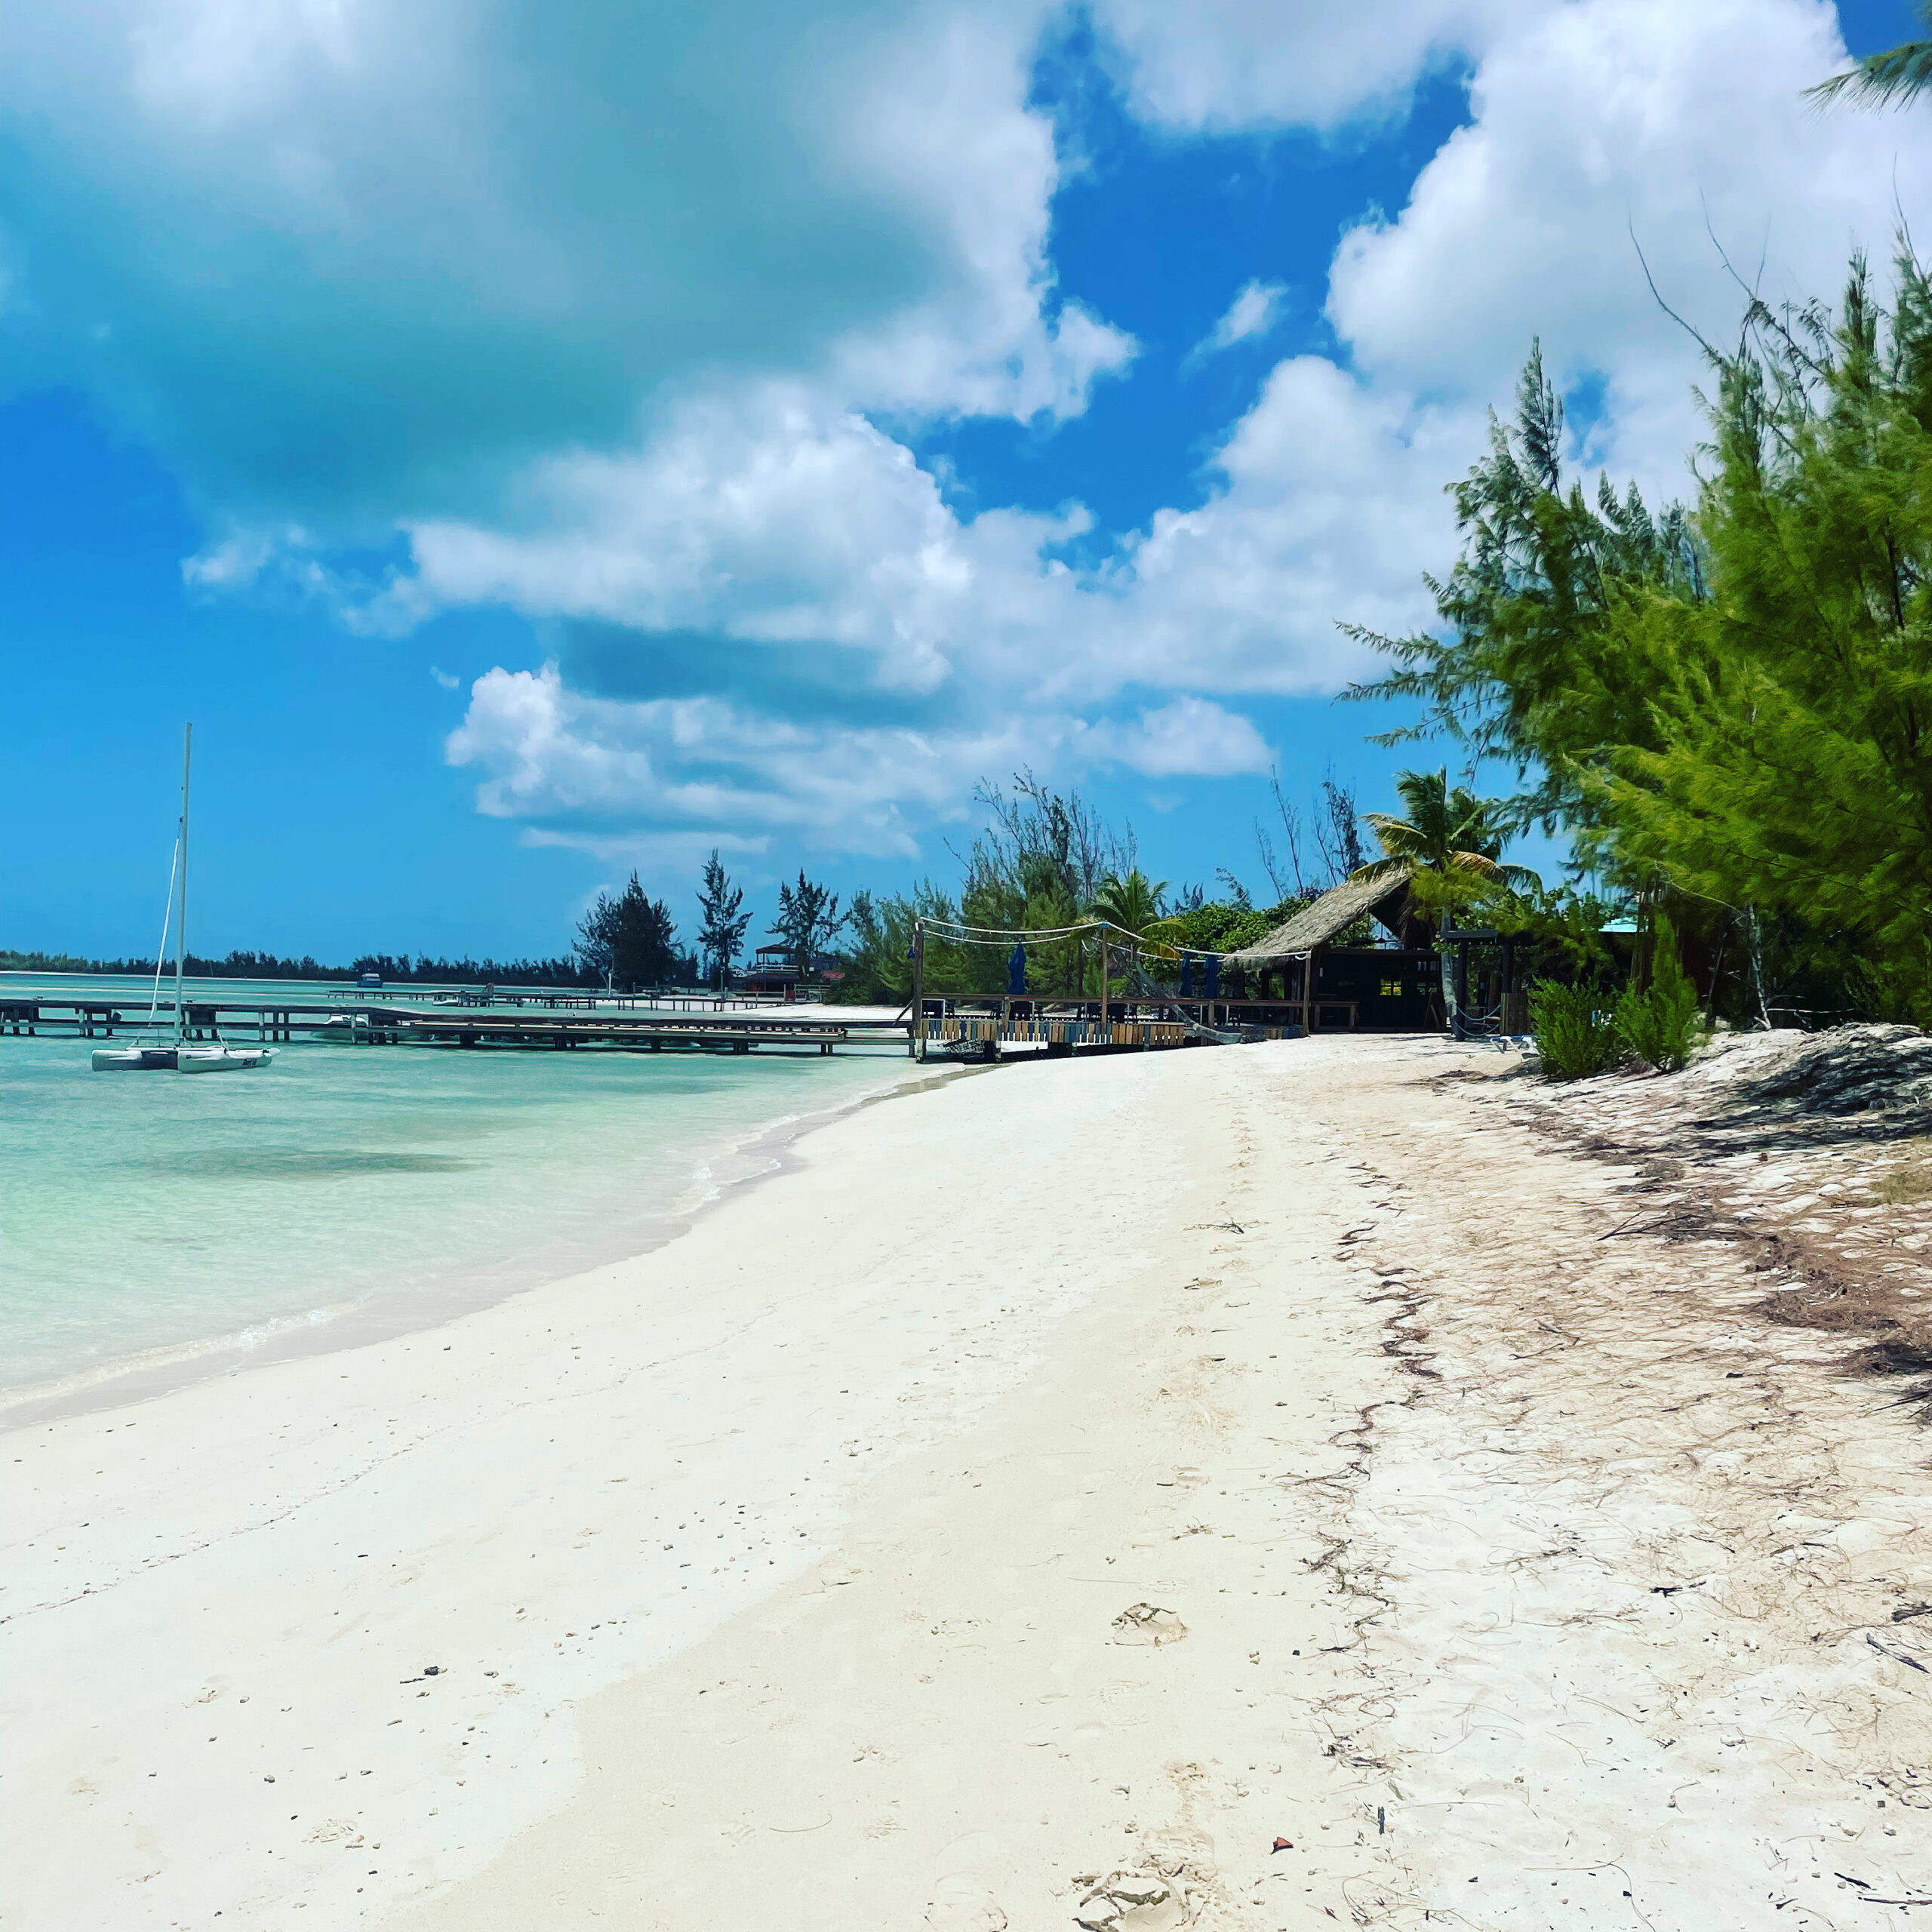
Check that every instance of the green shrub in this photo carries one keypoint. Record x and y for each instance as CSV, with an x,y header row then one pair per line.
x,y
1661,1025
1576,1033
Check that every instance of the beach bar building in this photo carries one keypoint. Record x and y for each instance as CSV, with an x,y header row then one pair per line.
x,y
1396,988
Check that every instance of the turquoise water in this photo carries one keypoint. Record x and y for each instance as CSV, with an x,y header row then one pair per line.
x,y
148,1218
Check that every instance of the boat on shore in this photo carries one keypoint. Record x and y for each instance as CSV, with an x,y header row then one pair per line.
x,y
178,1056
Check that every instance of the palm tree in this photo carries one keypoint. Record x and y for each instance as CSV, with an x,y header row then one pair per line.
x,y
1879,80
1131,903
1446,831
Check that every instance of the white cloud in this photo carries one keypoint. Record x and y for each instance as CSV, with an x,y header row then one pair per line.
x,y
662,445
356,262
1252,313
1191,736
765,520
586,772
551,754
1220,65
1602,118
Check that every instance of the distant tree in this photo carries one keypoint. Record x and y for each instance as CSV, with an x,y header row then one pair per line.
x,y
597,940
1286,879
1338,830
645,951
1448,828
721,937
1237,893
1040,843
629,942
1132,903
808,920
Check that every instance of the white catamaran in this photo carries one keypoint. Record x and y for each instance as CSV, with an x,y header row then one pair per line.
x,y
177,1055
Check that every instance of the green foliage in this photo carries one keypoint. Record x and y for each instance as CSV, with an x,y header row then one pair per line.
x,y
1221,927
1132,903
1448,829
720,936
629,942
1576,1031
1788,763
1900,75
1526,668
395,968
1661,1023
1560,922
808,920
1736,709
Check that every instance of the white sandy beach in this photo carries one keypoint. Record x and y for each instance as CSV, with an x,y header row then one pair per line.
x,y
803,1573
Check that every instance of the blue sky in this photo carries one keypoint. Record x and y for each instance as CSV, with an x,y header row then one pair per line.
x,y
528,450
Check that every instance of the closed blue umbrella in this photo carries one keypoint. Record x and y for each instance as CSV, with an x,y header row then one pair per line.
x,y
1187,976
1016,969
1213,989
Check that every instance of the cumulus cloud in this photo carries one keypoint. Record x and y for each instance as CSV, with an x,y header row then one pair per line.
x,y
586,771
343,261
1602,121
1190,737
1227,66
653,370
764,520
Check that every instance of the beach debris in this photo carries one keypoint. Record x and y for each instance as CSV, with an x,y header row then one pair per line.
x,y
433,1670
1148,1623
1131,1902
1898,1656
1283,1844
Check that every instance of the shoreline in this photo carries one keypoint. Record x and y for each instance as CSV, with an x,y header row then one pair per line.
x,y
294,1542
1242,1488
148,1373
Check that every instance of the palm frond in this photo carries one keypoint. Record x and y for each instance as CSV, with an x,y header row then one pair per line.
x,y
1898,75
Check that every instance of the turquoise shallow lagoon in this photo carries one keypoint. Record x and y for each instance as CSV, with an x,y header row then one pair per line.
x,y
152,1220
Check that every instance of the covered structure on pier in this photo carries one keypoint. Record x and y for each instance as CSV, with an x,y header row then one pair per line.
x,y
1396,988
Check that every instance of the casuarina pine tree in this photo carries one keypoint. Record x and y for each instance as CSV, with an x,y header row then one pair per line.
x,y
721,934
1789,760
808,920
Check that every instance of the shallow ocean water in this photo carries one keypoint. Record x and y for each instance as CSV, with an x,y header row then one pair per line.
x,y
149,1216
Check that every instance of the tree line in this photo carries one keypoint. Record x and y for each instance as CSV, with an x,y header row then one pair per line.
x,y
1727,707
402,968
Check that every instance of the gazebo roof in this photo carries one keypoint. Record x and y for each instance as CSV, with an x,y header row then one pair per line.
x,y
1384,897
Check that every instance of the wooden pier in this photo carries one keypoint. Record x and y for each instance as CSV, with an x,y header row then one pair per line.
x,y
701,1026
957,1027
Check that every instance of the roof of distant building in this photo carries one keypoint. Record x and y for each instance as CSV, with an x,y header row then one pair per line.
x,y
1385,896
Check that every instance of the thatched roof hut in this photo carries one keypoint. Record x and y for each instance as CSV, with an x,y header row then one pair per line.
x,y
1385,898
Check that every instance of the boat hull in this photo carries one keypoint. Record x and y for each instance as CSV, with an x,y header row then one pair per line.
x,y
222,1060
133,1060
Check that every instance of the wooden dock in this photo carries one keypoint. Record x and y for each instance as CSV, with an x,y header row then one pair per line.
x,y
564,1023
989,1027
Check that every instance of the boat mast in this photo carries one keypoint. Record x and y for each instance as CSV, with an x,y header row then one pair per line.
x,y
181,926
